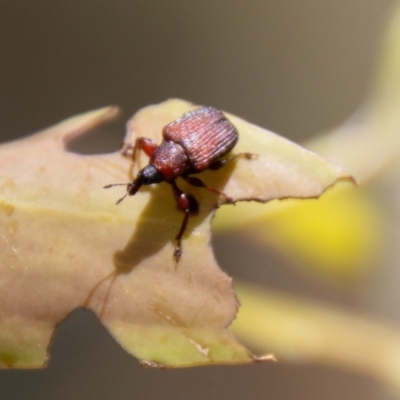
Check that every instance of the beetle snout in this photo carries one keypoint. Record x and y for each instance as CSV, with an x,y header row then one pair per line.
x,y
132,188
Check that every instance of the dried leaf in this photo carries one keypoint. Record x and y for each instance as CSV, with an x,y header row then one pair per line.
x,y
65,244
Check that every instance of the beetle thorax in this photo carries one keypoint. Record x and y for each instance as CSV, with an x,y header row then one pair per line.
x,y
170,159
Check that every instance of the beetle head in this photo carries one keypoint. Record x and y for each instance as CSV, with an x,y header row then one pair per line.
x,y
146,176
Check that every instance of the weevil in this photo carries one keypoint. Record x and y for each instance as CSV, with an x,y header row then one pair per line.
x,y
193,143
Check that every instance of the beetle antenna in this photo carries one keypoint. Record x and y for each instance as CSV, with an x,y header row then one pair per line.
x,y
122,198
114,184
118,184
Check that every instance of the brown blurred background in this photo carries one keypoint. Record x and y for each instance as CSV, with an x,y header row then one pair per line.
x,y
295,67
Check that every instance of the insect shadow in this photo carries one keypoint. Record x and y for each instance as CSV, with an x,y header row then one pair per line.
x,y
160,219
158,225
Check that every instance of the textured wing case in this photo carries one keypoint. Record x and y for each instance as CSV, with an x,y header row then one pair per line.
x,y
204,133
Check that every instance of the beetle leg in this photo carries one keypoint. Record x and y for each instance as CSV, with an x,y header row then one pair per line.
x,y
220,163
147,145
189,205
199,183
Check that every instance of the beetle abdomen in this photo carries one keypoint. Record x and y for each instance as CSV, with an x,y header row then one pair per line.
x,y
205,134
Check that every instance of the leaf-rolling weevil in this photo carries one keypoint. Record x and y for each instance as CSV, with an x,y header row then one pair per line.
x,y
191,144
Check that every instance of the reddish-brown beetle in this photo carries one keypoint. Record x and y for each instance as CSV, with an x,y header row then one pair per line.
x,y
191,144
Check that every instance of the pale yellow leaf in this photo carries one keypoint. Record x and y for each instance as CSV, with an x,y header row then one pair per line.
x,y
64,243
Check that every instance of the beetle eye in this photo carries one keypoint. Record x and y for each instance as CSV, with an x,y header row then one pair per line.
x,y
149,175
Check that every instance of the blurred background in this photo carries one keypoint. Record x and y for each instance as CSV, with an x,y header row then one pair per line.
x,y
295,67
